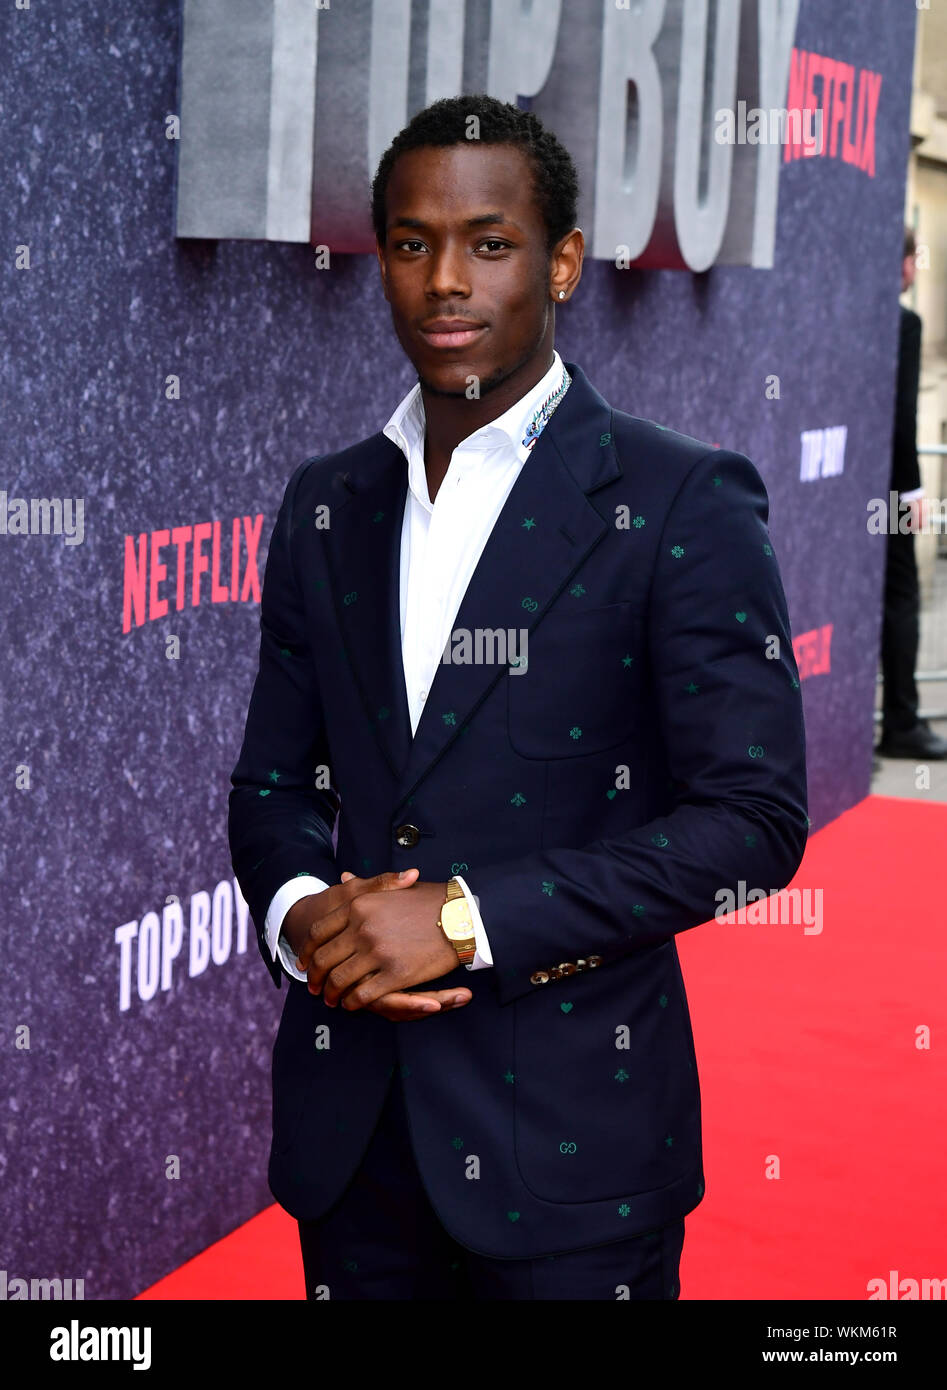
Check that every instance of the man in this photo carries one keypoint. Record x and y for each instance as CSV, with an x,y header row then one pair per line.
x,y
526,1127
903,734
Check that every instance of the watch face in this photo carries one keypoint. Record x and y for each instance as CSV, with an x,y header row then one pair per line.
x,y
455,919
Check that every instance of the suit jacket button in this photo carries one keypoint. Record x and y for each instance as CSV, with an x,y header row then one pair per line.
x,y
594,961
581,964
566,968
540,977
407,836
555,972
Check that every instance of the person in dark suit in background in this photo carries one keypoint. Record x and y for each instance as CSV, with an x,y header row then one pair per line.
x,y
903,734
484,1080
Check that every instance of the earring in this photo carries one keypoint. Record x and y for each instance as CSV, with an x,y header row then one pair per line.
x,y
562,294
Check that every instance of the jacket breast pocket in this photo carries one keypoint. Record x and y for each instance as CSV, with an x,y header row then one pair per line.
x,y
582,689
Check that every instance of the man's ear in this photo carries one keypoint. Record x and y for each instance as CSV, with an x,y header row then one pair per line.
x,y
381,266
567,263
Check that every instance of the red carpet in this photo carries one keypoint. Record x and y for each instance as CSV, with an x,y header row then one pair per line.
x,y
807,1052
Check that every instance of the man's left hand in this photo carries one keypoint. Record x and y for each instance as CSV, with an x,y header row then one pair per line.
x,y
392,941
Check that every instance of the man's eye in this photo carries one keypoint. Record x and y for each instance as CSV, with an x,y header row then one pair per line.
x,y
495,245
409,245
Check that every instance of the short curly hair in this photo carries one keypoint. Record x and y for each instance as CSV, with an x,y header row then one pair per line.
x,y
445,122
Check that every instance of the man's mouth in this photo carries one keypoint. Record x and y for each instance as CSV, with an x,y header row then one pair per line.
x,y
451,333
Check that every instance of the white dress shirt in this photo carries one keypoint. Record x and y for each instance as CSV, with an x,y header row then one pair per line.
x,y
441,543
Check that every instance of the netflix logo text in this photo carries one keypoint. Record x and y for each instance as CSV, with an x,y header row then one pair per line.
x,y
213,561
849,105
813,651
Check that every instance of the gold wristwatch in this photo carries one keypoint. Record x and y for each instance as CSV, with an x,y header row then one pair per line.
x,y
456,923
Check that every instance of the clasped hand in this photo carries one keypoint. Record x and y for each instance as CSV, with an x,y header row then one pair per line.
x,y
362,942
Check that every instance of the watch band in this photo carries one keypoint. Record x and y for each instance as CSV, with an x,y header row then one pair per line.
x,y
457,924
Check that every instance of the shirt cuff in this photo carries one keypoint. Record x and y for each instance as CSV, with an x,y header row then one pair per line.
x,y
908,496
283,900
483,956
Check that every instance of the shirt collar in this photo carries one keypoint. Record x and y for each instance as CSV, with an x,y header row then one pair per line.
x,y
406,424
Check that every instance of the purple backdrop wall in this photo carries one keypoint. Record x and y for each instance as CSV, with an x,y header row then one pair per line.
x,y
116,758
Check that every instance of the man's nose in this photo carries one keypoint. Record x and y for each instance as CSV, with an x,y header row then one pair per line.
x,y
447,274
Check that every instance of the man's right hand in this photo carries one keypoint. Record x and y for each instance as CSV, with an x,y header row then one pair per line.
x,y
918,514
304,927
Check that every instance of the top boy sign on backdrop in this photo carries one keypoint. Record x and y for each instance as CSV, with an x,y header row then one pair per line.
x,y
287,106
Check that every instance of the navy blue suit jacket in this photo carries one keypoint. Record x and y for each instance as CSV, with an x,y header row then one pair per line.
x,y
651,755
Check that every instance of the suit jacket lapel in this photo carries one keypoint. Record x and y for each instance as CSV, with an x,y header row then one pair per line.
x,y
545,531
364,548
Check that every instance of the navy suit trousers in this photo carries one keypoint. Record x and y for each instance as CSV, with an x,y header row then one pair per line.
x,y
382,1240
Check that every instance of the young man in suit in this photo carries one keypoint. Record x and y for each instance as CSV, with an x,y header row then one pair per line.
x,y
484,1080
